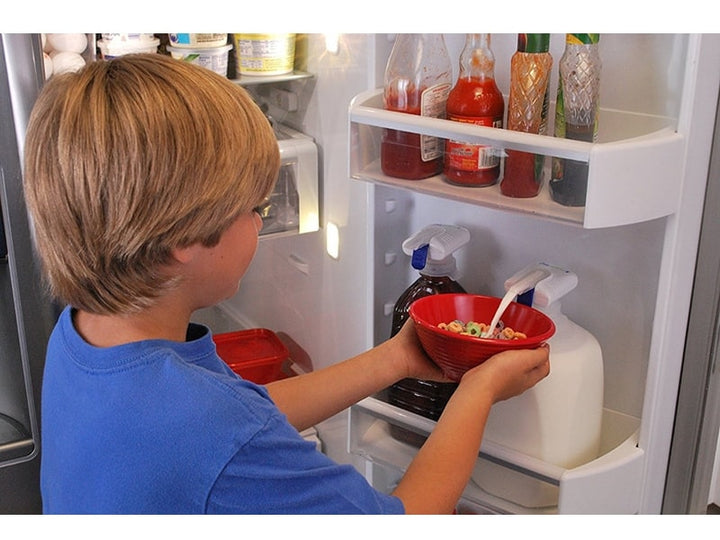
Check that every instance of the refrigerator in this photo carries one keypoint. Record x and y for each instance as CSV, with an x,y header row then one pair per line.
x,y
642,249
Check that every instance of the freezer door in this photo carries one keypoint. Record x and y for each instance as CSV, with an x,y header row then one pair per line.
x,y
26,313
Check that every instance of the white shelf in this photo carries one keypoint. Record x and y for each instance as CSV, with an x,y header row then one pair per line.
x,y
250,80
634,169
608,484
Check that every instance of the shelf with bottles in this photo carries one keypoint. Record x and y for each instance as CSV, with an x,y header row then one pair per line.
x,y
608,484
633,168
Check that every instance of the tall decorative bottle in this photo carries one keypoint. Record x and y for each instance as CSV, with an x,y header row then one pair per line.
x,y
530,69
418,78
474,99
576,114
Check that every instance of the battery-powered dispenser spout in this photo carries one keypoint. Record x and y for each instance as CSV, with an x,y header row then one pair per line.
x,y
432,249
546,292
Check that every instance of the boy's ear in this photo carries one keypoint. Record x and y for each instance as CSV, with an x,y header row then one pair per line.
x,y
186,254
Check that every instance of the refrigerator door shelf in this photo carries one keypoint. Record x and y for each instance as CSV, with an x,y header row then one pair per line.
x,y
609,484
293,207
638,157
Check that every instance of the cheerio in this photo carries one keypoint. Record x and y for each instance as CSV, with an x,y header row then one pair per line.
x,y
198,41
265,54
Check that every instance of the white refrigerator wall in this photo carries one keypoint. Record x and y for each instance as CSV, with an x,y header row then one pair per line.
x,y
293,285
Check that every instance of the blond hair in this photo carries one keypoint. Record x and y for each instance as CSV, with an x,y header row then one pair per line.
x,y
130,158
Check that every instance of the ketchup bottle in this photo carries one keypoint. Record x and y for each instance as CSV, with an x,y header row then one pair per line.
x,y
418,78
475,99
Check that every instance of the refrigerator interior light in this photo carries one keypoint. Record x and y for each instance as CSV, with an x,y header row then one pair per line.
x,y
332,240
332,42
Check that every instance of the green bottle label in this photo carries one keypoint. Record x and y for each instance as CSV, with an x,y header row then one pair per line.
x,y
533,43
582,39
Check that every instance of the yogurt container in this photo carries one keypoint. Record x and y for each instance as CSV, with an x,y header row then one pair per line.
x,y
265,54
119,47
214,59
129,38
198,41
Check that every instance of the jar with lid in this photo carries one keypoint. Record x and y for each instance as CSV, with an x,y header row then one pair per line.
x,y
576,114
418,78
474,99
527,112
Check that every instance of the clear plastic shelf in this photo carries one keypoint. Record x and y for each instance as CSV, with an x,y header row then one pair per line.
x,y
608,484
251,80
634,168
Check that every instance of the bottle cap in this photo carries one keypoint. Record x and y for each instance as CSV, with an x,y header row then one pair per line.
x,y
533,43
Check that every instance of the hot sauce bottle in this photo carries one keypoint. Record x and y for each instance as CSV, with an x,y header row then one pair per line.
x,y
475,99
418,78
527,111
576,114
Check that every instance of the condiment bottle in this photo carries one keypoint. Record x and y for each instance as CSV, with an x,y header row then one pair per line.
x,y
432,251
418,78
527,112
576,114
474,99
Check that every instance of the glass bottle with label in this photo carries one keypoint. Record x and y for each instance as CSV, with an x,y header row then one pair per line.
x,y
474,99
527,111
418,78
576,114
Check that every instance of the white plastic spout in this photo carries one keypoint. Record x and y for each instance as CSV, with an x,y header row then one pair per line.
x,y
435,244
524,281
551,287
521,282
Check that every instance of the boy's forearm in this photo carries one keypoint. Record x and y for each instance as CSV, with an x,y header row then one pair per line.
x,y
316,396
438,474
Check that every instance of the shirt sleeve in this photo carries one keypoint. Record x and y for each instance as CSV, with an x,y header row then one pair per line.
x,y
278,472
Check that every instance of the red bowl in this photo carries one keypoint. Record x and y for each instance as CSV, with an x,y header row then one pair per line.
x,y
456,353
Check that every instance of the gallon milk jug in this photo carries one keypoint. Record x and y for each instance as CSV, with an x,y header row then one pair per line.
x,y
557,421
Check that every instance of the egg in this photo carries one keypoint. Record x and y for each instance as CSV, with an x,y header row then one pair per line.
x,y
48,65
66,61
76,43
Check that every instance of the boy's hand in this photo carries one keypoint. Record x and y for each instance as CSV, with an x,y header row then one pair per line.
x,y
510,373
414,362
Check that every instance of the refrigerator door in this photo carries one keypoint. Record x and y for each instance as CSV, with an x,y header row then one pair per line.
x,y
26,314
697,418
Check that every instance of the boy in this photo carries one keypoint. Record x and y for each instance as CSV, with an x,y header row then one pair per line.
x,y
141,175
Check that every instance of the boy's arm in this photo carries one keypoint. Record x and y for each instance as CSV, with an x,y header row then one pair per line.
x,y
316,396
439,472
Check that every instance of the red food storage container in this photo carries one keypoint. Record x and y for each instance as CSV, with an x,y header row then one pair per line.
x,y
256,355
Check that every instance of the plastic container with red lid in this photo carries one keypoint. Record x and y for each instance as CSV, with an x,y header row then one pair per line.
x,y
256,355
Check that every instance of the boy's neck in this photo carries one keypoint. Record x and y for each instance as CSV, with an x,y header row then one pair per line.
x,y
112,330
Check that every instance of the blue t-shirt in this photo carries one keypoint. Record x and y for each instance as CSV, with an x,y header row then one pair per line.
x,y
163,427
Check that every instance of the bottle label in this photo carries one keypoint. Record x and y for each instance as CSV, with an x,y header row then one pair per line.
x,y
582,39
432,103
472,157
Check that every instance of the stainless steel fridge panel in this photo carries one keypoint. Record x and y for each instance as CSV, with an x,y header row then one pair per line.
x,y
26,312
